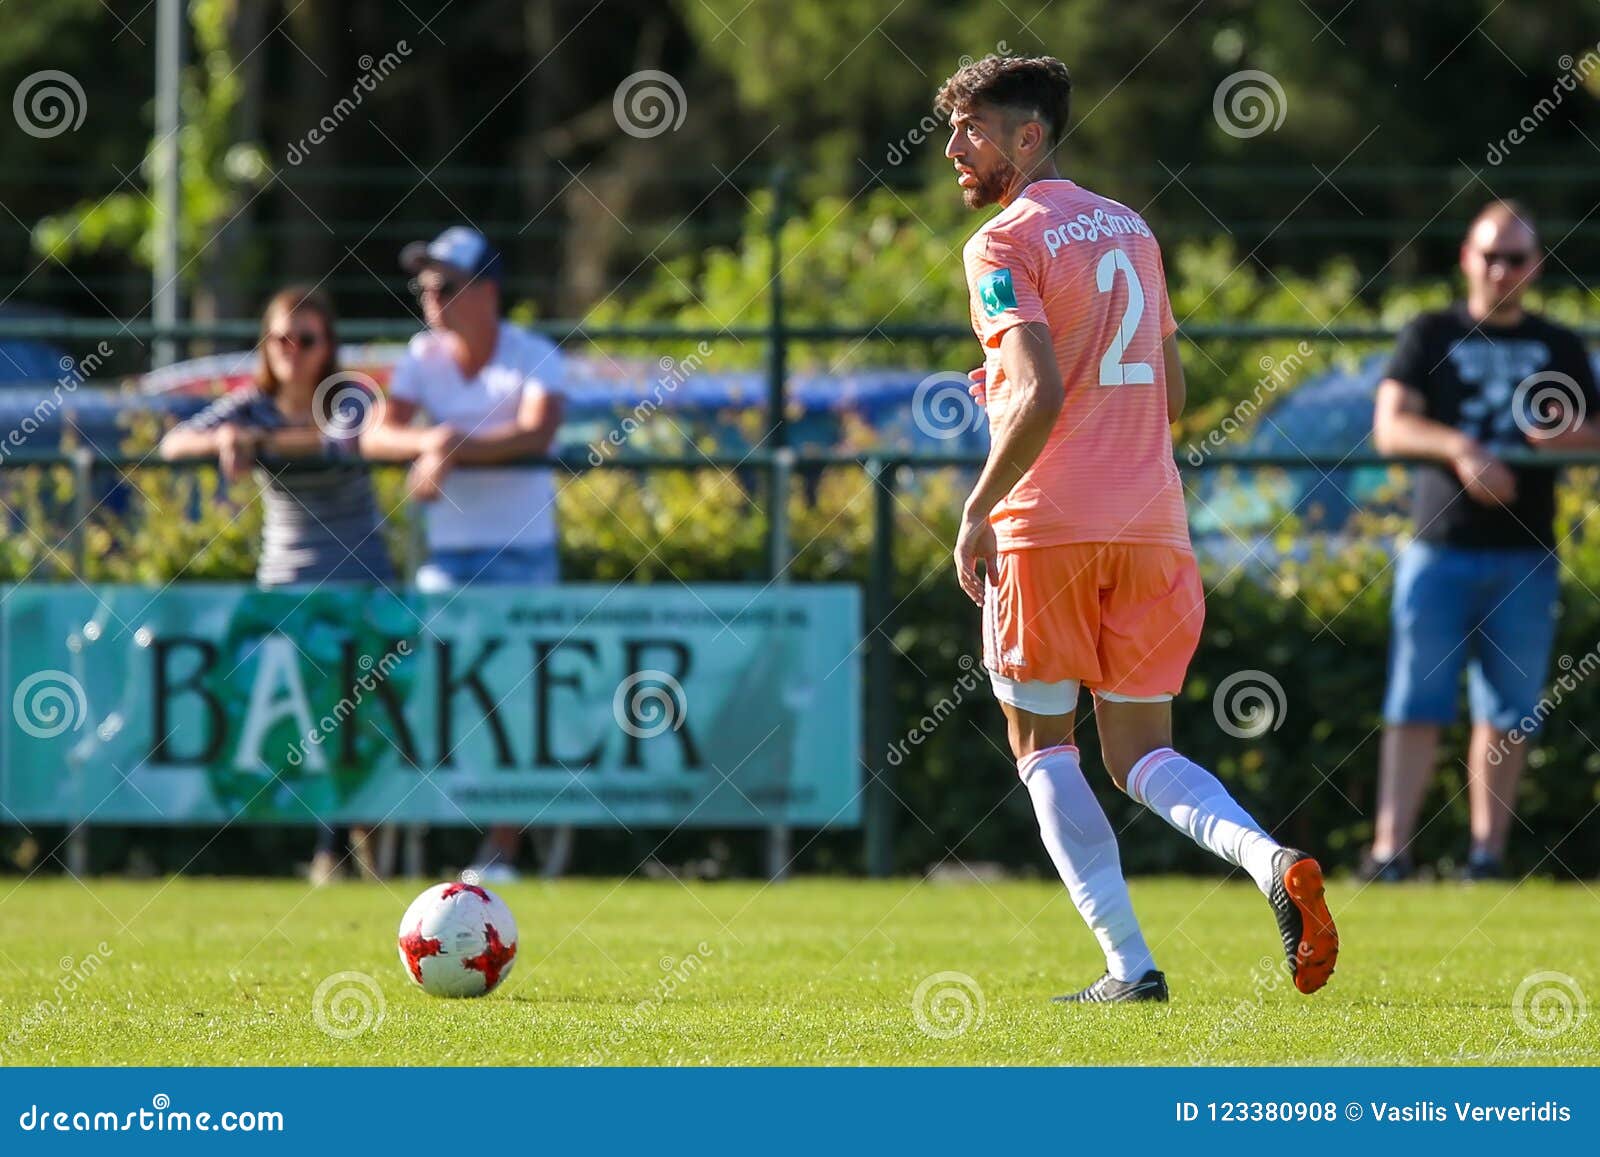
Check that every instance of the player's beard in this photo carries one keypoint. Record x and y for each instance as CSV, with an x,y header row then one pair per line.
x,y
991,186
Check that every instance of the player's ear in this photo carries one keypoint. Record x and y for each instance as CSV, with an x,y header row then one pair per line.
x,y
1033,140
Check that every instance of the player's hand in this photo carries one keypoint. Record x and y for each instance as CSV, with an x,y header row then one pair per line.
x,y
236,451
975,543
1485,478
979,389
441,441
425,482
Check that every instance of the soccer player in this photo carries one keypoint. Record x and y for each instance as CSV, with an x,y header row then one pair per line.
x,y
1077,520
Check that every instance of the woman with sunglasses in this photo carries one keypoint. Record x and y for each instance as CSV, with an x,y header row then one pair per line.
x,y
319,525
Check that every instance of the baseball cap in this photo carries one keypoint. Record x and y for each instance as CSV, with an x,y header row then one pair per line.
x,y
460,247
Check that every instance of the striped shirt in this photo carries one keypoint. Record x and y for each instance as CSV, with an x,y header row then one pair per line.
x,y
1090,269
319,524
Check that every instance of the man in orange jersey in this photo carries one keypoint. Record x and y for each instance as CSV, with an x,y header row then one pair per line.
x,y
1074,540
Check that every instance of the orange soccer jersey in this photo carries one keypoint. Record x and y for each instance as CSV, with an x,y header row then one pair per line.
x,y
1091,270
1096,580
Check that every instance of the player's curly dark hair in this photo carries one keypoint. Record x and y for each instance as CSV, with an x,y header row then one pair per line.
x,y
1038,85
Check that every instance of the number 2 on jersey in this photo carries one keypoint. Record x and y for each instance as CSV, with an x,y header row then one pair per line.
x,y
1113,370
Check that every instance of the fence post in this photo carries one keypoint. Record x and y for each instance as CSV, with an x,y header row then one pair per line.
x,y
781,477
82,508
83,462
781,470
777,336
880,800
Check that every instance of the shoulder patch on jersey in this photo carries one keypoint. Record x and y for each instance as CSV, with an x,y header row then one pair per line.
x,y
996,292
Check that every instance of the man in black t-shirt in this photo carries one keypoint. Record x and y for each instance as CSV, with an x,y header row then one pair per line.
x,y
1477,586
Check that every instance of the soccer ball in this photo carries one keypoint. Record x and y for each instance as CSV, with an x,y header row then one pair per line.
x,y
458,940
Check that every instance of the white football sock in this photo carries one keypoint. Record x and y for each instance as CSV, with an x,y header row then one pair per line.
x,y
1194,801
1084,848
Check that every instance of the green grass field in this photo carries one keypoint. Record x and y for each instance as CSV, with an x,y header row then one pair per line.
x,y
806,972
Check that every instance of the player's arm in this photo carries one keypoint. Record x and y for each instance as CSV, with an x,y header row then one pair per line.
x,y
1176,387
1029,363
529,435
1402,429
1585,432
393,437
293,442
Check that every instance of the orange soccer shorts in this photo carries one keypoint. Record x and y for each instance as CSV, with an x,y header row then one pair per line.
x,y
1120,618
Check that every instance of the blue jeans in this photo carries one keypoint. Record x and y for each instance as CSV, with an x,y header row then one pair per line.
x,y
1491,611
446,570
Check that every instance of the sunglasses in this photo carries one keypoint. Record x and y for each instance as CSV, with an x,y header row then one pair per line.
x,y
1514,259
444,289
306,339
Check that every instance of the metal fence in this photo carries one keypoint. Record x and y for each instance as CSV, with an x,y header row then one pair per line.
x,y
781,469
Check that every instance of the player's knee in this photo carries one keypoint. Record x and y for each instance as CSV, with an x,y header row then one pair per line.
x,y
1030,733
1121,757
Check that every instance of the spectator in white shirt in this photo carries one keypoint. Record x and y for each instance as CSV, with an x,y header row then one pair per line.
x,y
484,391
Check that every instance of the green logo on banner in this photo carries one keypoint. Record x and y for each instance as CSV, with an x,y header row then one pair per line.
x,y
996,292
292,669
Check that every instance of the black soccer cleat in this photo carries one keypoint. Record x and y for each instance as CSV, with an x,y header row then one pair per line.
x,y
1482,866
1310,940
1151,986
1394,870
